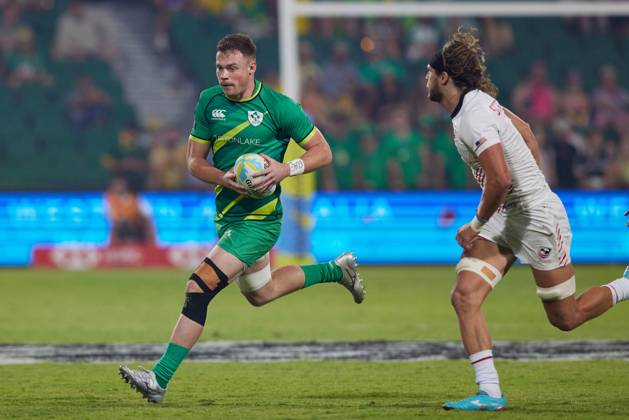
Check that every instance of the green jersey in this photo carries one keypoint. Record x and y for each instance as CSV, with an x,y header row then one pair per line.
x,y
263,123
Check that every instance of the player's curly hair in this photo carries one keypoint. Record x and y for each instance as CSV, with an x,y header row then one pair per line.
x,y
464,61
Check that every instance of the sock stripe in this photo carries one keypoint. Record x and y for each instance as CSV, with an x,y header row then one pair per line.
x,y
484,358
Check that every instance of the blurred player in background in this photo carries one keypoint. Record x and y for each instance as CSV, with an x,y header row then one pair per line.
x,y
518,215
241,115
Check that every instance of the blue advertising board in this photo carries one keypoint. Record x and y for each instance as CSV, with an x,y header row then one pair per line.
x,y
382,228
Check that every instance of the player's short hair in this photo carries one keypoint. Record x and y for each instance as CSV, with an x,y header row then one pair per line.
x,y
464,61
237,42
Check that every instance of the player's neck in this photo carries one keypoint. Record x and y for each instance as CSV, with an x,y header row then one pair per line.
x,y
247,93
451,99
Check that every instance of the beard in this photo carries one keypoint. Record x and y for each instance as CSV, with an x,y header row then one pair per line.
x,y
434,94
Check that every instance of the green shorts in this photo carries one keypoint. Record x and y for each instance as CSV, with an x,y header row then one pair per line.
x,y
248,240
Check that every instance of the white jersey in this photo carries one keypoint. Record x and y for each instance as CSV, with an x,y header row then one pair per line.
x,y
480,122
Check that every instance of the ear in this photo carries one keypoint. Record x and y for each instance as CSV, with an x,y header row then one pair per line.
x,y
444,78
252,67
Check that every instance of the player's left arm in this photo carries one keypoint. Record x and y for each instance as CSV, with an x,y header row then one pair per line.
x,y
527,134
317,155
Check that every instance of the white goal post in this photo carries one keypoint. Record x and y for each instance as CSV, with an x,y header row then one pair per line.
x,y
290,10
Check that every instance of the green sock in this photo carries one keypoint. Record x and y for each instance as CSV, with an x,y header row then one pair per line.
x,y
165,368
321,273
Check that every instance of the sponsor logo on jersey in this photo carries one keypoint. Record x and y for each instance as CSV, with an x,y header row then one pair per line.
x,y
544,252
245,140
218,114
255,118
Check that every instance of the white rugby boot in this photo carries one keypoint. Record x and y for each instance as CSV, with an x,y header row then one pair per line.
x,y
144,382
351,279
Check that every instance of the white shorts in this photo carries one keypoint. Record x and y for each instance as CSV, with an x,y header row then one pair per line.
x,y
539,236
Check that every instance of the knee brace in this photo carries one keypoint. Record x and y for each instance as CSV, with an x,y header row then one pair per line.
x,y
486,271
559,292
211,280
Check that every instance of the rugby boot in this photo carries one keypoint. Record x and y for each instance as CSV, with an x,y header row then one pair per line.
x,y
480,401
351,279
144,382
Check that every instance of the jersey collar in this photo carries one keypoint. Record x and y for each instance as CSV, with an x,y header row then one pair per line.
x,y
257,87
459,105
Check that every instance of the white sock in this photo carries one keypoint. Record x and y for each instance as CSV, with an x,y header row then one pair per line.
x,y
620,289
486,374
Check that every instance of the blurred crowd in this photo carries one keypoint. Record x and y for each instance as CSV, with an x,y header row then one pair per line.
x,y
362,83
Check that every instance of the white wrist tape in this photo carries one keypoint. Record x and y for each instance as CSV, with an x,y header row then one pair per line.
x,y
296,167
476,224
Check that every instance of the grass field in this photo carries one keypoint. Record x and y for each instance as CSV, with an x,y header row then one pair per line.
x,y
403,303
316,390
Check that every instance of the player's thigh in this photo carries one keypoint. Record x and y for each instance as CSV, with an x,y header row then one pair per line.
x,y
556,291
257,278
248,240
480,266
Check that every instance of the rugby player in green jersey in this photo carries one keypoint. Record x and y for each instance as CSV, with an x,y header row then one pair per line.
x,y
241,115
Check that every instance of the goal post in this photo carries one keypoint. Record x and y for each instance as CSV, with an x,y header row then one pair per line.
x,y
290,10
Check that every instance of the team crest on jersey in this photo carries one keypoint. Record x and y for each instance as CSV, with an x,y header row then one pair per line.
x,y
255,118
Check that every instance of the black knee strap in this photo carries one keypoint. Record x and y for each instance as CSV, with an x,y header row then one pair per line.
x,y
195,306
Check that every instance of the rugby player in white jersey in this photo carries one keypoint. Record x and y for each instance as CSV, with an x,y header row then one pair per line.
x,y
518,216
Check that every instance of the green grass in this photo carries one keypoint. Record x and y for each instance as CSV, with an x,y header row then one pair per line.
x,y
316,390
403,303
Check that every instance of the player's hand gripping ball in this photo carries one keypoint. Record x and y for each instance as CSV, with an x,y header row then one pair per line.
x,y
247,165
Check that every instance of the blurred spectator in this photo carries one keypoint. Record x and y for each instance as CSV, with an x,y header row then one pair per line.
x,y
566,151
25,64
534,98
423,40
128,159
574,104
610,100
446,168
370,164
341,174
622,162
167,160
339,75
11,28
497,36
80,34
129,215
88,104
309,69
593,164
313,102
404,151
546,154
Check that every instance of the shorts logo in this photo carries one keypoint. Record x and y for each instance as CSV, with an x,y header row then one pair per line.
x,y
544,252
255,118
218,114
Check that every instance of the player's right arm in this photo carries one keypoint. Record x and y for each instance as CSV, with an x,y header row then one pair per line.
x,y
527,134
200,168
199,148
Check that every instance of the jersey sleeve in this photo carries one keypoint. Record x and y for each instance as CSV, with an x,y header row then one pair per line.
x,y
479,131
200,132
294,122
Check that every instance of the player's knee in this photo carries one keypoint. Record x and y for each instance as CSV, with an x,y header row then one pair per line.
x,y
256,299
192,287
205,282
464,300
562,323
